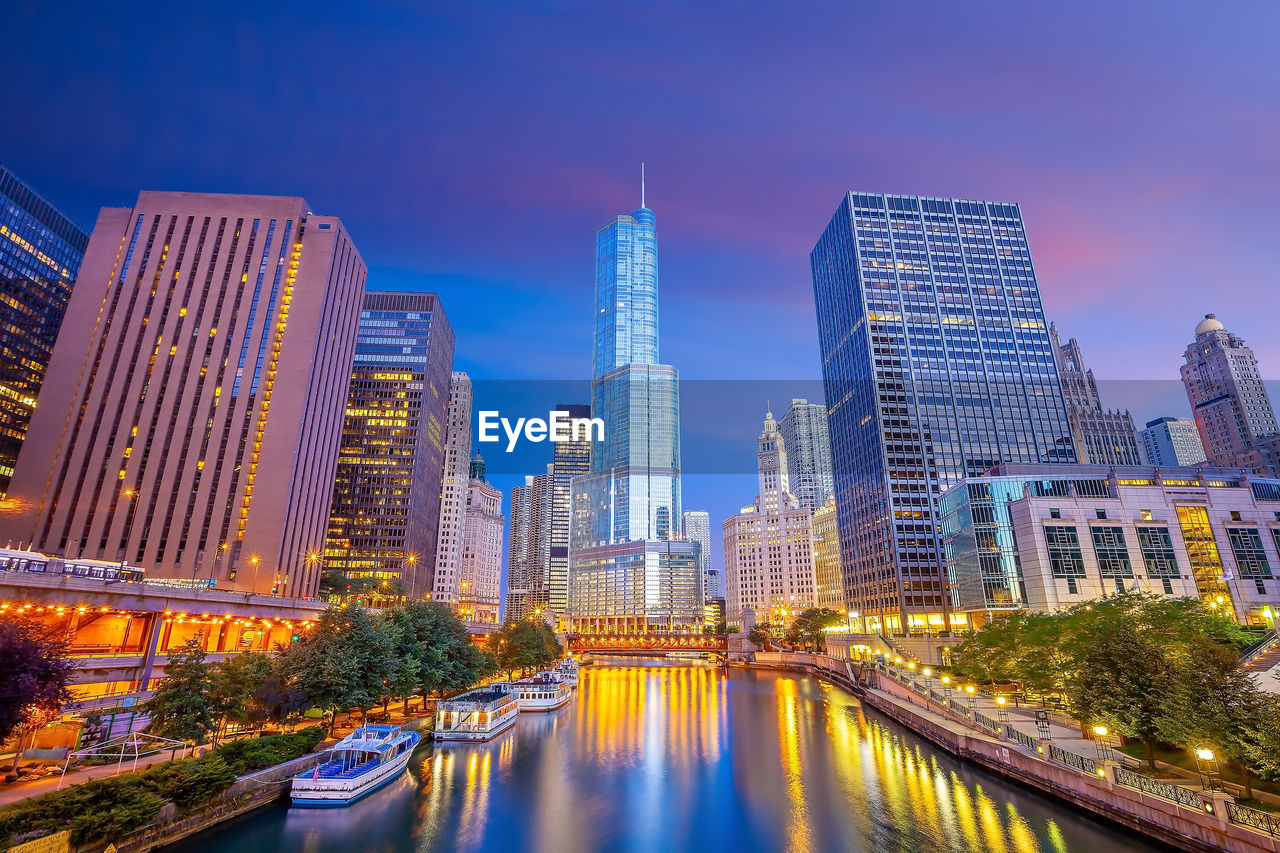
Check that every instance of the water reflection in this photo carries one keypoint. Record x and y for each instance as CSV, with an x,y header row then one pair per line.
x,y
665,756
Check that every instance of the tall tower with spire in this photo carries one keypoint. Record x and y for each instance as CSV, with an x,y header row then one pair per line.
x,y
626,572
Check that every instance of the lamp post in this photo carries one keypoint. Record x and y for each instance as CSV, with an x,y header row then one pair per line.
x,y
254,560
1207,767
1101,744
132,496
972,694
946,686
1002,710
928,680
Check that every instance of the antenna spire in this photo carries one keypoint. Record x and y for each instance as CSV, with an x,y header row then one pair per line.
x,y
642,183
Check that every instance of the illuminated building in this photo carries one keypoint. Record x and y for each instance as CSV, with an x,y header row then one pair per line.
x,y
529,546
826,557
1101,436
1045,537
481,578
192,412
768,547
570,459
936,365
626,573
1230,403
695,526
386,496
1171,442
447,578
804,434
40,254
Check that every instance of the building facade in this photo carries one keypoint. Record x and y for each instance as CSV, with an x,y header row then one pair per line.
x,y
937,364
529,549
1101,436
192,412
1171,443
804,433
695,526
40,254
386,496
480,586
446,577
768,547
626,571
1232,409
826,557
1044,537
570,459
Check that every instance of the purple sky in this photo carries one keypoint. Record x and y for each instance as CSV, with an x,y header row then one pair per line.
x,y
475,149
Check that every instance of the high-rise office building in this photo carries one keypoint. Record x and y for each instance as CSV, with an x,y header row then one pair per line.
x,y
1233,412
40,254
937,365
480,584
826,557
804,432
695,526
191,416
1171,442
529,548
570,459
626,573
768,547
386,496
447,570
1101,436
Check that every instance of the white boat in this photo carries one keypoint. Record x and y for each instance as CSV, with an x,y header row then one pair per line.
x,y
476,715
545,691
568,671
361,763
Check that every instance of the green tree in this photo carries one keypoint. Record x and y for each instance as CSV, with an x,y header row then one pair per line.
x,y
526,645
448,660
809,628
342,663
760,634
33,687
183,705
404,664
237,682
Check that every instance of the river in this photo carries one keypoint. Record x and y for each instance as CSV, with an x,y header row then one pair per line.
x,y
654,755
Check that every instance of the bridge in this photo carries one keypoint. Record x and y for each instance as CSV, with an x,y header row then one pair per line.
x,y
648,644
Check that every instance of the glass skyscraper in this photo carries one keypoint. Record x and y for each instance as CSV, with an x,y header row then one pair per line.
x,y
40,254
626,573
937,365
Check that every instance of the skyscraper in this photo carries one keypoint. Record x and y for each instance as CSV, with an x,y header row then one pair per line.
x,y
1171,442
386,496
937,365
625,572
1101,436
804,433
447,568
695,526
768,547
480,583
529,549
1232,410
571,458
40,254
191,416
826,557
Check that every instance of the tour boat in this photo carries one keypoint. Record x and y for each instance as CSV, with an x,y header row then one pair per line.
x,y
545,691
568,671
478,714
361,763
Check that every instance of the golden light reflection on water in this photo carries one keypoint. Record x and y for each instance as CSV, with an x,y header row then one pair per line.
x,y
651,756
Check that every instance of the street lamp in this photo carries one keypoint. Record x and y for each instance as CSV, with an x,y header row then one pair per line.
x,y
946,685
1002,710
132,496
1207,767
928,679
973,696
1101,744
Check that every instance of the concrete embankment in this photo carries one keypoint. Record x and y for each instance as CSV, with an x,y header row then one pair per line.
x,y
1201,828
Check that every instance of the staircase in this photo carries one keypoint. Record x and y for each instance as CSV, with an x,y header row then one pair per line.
x,y
1263,662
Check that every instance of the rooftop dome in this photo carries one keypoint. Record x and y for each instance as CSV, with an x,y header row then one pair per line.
x,y
1208,324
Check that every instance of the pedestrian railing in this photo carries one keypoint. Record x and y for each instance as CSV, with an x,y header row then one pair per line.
x,y
1147,785
1080,762
1021,737
986,722
958,707
1254,819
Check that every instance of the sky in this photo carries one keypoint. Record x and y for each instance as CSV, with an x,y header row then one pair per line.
x,y
474,148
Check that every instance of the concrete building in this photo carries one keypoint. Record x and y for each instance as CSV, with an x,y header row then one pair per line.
x,y
1101,436
447,575
937,365
40,254
570,459
695,526
386,496
192,412
480,585
826,557
768,547
804,433
1044,537
529,548
626,572
1233,412
1171,443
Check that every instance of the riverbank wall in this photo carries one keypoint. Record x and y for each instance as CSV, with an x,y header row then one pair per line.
x,y
1201,828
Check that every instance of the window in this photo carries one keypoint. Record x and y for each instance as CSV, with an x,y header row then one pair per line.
x,y
1157,553
1235,515
1101,513
1146,515
1064,551
1113,553
1246,544
1054,512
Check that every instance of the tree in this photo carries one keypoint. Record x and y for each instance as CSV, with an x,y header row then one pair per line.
x,y
760,635
404,664
33,687
237,685
526,645
810,627
448,660
183,705
342,663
